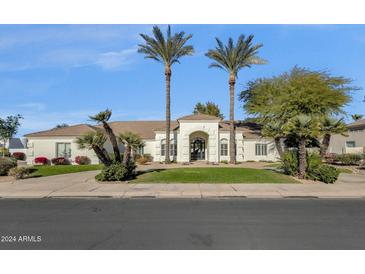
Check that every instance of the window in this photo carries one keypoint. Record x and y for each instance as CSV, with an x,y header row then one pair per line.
x,y
173,148
350,144
140,150
261,149
224,147
163,147
63,150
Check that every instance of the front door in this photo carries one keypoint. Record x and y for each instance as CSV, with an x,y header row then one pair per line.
x,y
197,149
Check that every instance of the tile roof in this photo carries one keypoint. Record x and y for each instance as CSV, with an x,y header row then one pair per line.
x,y
199,117
75,130
146,129
359,123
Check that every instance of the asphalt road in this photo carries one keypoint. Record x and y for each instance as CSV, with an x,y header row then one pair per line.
x,y
182,224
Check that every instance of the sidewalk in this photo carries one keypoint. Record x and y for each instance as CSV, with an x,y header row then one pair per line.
x,y
83,185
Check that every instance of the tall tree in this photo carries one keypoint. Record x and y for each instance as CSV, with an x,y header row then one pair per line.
x,y
103,118
168,51
356,117
8,128
299,93
208,108
329,126
131,143
95,141
232,58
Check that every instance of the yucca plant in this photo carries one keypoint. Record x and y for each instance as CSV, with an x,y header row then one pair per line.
x,y
131,143
95,141
103,118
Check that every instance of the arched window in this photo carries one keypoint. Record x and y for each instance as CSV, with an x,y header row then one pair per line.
x,y
163,147
224,147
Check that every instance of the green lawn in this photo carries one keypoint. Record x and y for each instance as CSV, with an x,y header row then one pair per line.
x,y
42,171
219,175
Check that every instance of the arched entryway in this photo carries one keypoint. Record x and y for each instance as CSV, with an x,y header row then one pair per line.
x,y
198,146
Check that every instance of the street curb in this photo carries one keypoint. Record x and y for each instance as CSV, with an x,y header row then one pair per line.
x,y
156,197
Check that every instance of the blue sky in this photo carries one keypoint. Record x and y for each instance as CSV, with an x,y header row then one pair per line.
x,y
55,74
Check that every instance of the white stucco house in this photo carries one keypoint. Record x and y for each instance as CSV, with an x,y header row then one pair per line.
x,y
196,137
353,143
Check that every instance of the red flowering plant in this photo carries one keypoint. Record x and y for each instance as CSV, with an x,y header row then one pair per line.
x,y
41,160
60,161
82,160
19,156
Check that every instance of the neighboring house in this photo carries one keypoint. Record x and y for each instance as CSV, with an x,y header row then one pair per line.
x,y
16,145
196,137
354,143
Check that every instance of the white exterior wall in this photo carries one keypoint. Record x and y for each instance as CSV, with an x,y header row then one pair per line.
x,y
157,146
338,142
47,147
249,147
186,128
149,147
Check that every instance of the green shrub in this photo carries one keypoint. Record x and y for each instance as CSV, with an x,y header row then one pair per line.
x,y
6,164
224,162
348,159
289,163
313,161
117,172
324,173
19,172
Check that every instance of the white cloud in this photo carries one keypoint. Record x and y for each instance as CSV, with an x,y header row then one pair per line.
x,y
33,106
115,59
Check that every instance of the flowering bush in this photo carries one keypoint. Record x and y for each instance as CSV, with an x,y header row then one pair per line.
x,y
60,161
19,156
82,160
41,160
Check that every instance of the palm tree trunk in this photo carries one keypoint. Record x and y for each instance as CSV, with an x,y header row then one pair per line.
x,y
100,153
279,147
302,158
113,141
168,114
232,147
325,144
127,154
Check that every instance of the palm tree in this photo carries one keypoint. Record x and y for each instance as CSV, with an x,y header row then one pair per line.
x,y
103,118
304,127
168,51
95,141
232,58
275,130
356,117
330,126
131,143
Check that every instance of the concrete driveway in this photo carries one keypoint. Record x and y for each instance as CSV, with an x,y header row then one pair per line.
x,y
83,184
